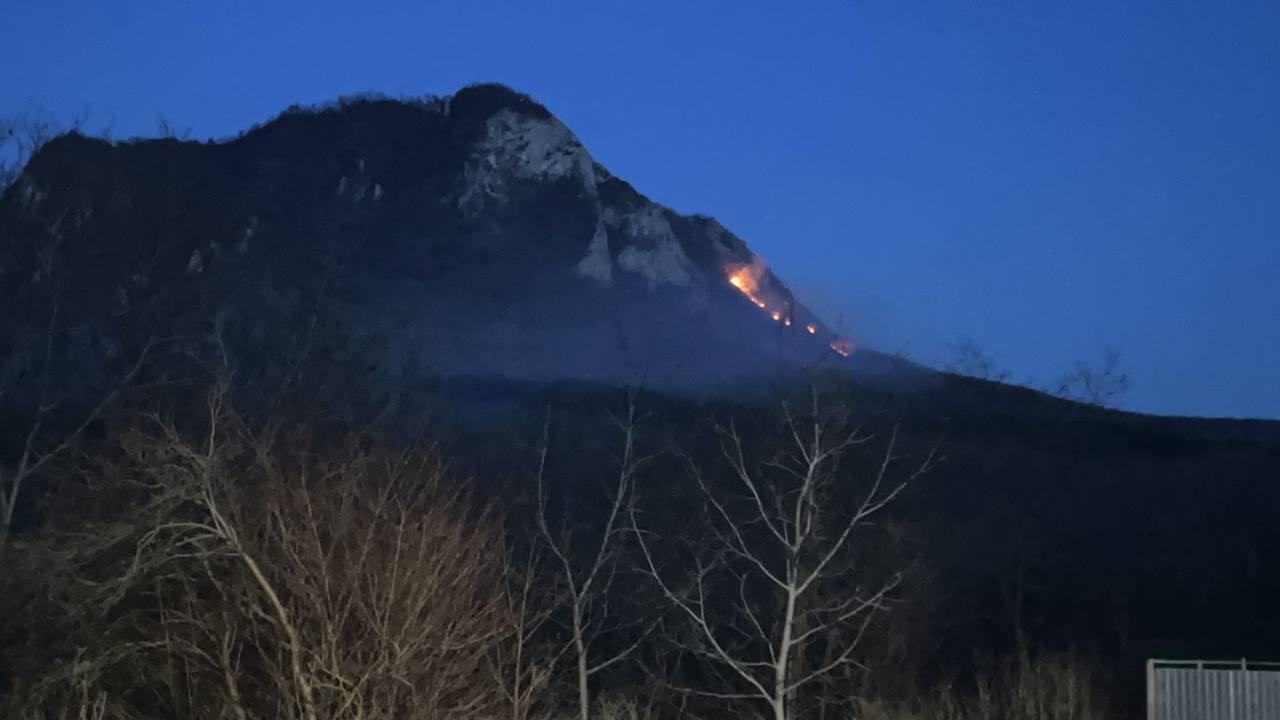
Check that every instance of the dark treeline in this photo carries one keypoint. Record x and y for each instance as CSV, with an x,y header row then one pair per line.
x,y
201,542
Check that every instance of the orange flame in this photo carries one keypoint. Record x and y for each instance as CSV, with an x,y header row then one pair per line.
x,y
745,278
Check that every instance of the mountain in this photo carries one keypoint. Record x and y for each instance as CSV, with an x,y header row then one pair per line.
x,y
465,235
471,244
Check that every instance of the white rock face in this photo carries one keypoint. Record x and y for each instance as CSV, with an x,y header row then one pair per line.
x,y
664,264
656,254
648,224
242,245
527,148
31,195
518,147
597,265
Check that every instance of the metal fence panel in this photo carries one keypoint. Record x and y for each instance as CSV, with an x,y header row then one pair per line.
x,y
1206,690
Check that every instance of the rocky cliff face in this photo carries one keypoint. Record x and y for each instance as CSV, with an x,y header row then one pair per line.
x,y
472,235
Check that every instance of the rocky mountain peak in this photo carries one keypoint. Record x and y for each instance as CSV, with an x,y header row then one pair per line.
x,y
470,234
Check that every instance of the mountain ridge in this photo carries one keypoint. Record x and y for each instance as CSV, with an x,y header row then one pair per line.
x,y
482,200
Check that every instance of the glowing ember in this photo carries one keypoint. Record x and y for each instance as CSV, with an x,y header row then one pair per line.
x,y
842,346
745,278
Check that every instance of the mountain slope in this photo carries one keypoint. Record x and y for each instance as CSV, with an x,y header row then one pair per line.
x,y
469,235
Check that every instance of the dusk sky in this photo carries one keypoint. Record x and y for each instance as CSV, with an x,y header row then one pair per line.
x,y
1047,178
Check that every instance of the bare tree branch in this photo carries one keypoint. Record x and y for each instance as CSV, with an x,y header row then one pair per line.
x,y
785,548
588,582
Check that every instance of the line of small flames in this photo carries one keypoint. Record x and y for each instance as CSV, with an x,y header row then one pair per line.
x,y
745,282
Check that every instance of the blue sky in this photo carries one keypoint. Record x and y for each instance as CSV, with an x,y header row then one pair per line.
x,y
1047,178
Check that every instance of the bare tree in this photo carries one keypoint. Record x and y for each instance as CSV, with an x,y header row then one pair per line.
x,y
262,578
54,424
1097,384
587,576
967,356
42,444
20,138
11,160
166,129
776,602
523,668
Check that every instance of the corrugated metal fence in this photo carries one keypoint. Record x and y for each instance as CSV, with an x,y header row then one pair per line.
x,y
1212,690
